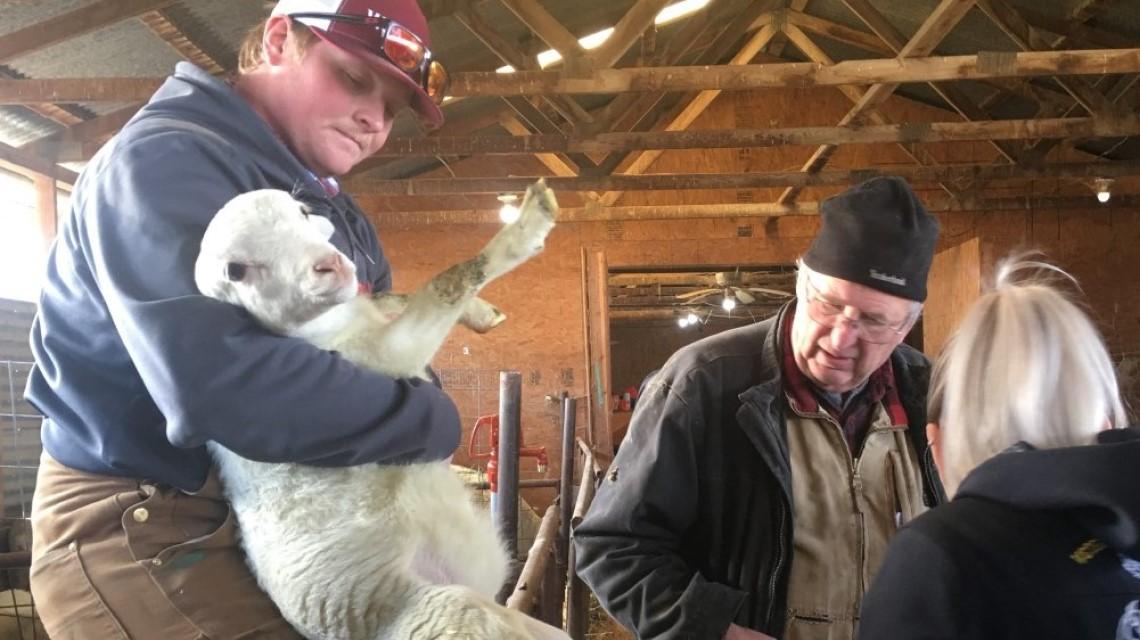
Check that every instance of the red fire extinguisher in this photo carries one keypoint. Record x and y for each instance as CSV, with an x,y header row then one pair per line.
x,y
492,456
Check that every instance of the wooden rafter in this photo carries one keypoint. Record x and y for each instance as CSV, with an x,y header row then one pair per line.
x,y
65,115
642,111
626,32
35,164
691,110
557,165
814,53
885,73
76,142
872,43
73,23
595,213
951,94
1029,39
451,128
1074,30
566,106
940,22
166,27
1083,12
751,180
913,132
794,7
547,27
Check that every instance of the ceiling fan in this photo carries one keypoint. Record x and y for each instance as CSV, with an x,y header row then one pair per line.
x,y
729,285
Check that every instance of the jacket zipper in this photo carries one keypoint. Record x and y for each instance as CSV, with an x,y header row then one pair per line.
x,y
777,567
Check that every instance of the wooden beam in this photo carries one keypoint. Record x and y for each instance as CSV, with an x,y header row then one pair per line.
x,y
840,33
803,74
47,207
35,164
510,54
60,145
911,132
869,42
752,180
710,78
596,213
626,32
545,26
952,95
1028,39
78,90
73,23
164,25
556,164
64,115
689,113
814,53
944,18
1074,29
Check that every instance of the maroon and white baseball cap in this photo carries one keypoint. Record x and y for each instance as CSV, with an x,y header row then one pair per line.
x,y
357,26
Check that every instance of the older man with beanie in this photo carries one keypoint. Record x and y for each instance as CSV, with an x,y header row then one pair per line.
x,y
766,467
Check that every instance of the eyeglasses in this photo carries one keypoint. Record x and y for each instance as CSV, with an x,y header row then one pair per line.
x,y
400,46
827,313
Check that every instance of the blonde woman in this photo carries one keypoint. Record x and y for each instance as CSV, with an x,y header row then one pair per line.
x,y
1042,535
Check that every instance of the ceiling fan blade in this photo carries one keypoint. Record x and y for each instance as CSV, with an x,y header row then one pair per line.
x,y
772,292
744,296
696,294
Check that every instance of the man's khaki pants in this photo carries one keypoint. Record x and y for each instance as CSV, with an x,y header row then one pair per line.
x,y
117,559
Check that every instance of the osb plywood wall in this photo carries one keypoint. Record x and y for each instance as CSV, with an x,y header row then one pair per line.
x,y
954,284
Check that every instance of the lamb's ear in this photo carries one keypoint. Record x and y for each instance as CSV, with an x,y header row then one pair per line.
x,y
323,225
212,277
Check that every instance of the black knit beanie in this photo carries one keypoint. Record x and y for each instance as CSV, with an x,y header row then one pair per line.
x,y
876,234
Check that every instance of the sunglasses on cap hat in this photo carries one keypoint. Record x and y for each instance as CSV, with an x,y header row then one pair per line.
x,y
398,45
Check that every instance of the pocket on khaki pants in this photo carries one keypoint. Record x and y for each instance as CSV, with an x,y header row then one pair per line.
x,y
205,577
59,576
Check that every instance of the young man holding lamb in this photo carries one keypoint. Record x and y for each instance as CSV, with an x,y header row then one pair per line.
x,y
136,372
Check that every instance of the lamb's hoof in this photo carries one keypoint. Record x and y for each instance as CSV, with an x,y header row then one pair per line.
x,y
497,317
482,316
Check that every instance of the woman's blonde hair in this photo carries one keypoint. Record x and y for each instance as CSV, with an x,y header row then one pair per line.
x,y
251,53
1026,364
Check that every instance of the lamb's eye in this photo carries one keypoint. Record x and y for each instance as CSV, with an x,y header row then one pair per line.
x,y
305,211
235,271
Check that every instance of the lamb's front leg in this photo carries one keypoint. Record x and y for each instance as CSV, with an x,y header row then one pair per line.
x,y
479,315
416,335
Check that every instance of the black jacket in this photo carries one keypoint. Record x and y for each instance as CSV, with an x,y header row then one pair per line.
x,y
692,528
1036,544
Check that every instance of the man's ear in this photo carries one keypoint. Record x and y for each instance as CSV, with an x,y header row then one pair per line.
x,y
275,40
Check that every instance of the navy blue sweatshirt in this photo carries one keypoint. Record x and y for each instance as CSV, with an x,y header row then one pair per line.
x,y
1035,544
136,370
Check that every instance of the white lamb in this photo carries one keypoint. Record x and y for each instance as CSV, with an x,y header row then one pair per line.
x,y
369,552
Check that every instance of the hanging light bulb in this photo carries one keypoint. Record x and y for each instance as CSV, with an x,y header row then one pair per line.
x,y
1103,190
508,213
683,321
729,303
692,318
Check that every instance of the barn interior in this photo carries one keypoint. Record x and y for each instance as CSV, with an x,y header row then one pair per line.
x,y
690,144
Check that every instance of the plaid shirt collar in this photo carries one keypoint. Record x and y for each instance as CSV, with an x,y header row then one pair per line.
x,y
804,397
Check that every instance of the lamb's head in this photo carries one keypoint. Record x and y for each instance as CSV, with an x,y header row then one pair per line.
x,y
263,251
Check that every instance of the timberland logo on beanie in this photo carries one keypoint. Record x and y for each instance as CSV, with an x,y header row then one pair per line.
x,y
879,235
888,278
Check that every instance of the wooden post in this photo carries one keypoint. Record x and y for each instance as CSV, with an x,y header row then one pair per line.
x,y
46,207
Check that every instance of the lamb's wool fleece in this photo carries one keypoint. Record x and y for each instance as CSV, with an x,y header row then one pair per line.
x,y
360,553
